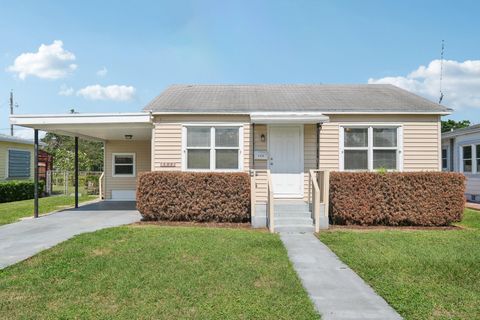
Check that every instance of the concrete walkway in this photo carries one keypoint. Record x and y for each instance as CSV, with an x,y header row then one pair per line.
x,y
21,240
336,291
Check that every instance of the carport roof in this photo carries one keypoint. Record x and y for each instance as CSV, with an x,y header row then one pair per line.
x,y
96,126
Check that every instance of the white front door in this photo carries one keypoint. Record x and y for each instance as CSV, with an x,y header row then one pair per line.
x,y
286,160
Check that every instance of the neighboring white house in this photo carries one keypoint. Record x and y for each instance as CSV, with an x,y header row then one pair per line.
x,y
461,153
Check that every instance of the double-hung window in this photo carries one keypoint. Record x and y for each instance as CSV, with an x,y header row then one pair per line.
x,y
212,148
445,159
467,158
123,164
370,148
477,158
470,158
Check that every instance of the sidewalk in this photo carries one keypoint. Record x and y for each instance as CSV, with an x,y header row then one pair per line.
x,y
336,291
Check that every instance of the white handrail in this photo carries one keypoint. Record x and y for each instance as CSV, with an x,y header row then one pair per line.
x,y
316,198
271,221
269,197
100,185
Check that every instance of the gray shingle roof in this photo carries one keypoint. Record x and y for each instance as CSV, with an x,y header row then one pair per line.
x,y
291,98
471,129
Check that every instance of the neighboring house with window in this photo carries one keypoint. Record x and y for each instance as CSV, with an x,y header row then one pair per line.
x,y
16,158
461,153
288,129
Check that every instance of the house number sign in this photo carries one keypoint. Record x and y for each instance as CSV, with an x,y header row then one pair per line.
x,y
167,164
260,155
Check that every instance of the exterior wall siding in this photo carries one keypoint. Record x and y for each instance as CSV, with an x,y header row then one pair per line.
x,y
4,146
142,163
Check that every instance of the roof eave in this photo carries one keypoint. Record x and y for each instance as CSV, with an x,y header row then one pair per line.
x,y
441,113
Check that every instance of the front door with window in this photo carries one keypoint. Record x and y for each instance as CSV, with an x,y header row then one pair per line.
x,y
286,160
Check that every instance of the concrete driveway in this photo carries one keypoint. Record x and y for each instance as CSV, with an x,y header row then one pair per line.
x,y
21,240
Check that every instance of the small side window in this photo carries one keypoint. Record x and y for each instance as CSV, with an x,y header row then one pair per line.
x,y
123,165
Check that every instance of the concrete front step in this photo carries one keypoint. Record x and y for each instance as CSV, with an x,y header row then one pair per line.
x,y
285,221
293,214
291,206
289,215
294,228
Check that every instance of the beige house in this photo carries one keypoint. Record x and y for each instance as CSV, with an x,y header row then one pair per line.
x,y
276,131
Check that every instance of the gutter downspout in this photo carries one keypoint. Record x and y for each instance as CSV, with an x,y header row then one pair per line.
x,y
452,152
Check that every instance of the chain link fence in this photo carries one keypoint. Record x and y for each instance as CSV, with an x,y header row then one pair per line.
x,y
63,182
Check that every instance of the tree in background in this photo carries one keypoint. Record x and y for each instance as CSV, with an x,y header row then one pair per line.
x,y
90,153
450,125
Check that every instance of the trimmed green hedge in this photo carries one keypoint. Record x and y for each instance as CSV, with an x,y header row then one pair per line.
x,y
17,190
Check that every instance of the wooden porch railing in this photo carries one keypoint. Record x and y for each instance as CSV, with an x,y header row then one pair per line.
x,y
262,192
318,197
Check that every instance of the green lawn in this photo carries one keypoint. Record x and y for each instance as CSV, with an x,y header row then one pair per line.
x,y
152,272
13,211
433,274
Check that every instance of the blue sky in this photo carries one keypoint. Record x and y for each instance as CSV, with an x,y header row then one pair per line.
x,y
117,55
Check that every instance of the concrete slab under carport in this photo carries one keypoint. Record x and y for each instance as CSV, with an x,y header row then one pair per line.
x,y
23,239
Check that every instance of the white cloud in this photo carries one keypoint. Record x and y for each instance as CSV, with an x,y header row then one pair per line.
x,y
102,72
460,85
112,92
49,62
65,90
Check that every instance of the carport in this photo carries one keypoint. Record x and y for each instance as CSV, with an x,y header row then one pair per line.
x,y
104,127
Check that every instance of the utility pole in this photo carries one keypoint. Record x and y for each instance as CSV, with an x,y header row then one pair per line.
x,y
11,111
12,106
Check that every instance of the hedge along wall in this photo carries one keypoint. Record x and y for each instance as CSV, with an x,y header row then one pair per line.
x,y
16,190
194,196
396,199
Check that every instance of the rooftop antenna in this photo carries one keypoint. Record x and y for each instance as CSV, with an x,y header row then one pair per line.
x,y
441,72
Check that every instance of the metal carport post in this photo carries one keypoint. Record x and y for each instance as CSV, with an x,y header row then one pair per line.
x,y
76,172
35,174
